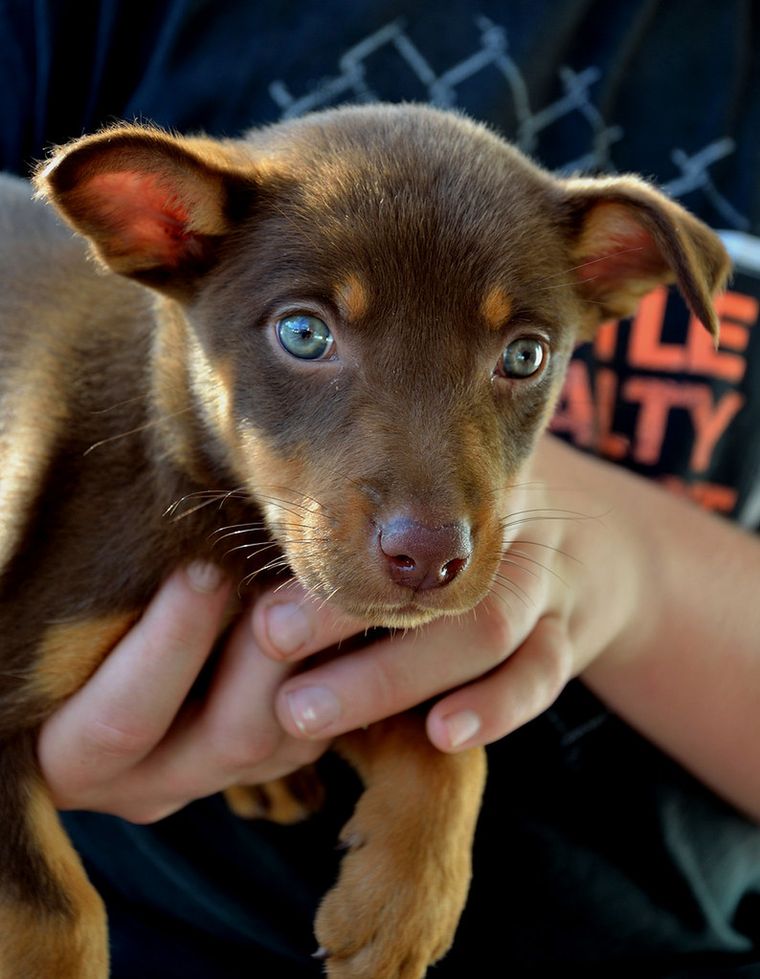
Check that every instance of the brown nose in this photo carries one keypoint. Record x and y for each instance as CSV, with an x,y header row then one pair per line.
x,y
422,557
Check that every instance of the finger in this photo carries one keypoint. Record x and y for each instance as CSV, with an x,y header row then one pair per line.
x,y
129,703
290,624
399,672
234,738
510,696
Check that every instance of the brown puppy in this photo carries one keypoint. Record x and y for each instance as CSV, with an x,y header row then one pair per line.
x,y
356,326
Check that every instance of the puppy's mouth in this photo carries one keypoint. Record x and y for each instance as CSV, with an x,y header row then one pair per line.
x,y
369,591
408,616
400,566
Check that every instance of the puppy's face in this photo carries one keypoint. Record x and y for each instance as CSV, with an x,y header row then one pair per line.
x,y
376,308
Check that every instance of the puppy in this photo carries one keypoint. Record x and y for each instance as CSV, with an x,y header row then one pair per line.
x,y
352,325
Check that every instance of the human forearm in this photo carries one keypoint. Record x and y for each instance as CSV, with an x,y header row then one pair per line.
x,y
686,670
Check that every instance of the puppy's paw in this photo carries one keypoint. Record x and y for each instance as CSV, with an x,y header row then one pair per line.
x,y
286,800
397,903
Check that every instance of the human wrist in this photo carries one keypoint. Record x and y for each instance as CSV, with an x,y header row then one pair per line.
x,y
612,596
638,579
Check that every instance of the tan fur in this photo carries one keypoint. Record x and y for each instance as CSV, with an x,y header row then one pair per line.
x,y
353,298
71,652
66,944
385,871
286,801
496,308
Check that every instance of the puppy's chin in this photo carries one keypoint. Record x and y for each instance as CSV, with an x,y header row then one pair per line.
x,y
393,607
410,617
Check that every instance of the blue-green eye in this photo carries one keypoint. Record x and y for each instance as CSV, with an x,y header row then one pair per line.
x,y
522,358
305,337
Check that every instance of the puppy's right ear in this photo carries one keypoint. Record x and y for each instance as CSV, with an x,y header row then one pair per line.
x,y
153,206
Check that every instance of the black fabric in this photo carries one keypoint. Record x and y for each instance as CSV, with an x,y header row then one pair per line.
x,y
596,855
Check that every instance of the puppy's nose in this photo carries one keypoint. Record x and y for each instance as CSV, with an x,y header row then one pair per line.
x,y
423,557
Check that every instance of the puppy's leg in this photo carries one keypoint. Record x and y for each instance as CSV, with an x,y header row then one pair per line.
x,y
286,800
52,922
404,881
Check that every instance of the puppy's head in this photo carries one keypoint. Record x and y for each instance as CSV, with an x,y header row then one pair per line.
x,y
377,306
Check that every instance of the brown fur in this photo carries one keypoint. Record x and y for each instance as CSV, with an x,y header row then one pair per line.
x,y
427,245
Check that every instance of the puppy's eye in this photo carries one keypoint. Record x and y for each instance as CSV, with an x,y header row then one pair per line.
x,y
305,337
522,358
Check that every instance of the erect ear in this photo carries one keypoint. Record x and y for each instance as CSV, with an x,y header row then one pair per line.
x,y
627,238
153,206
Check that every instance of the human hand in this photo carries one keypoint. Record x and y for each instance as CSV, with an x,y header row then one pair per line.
x,y
567,589
129,744
617,580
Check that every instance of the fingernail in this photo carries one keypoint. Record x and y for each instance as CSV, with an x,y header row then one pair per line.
x,y
461,727
288,627
313,708
204,576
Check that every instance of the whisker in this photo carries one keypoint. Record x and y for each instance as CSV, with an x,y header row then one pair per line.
x,y
222,533
132,431
303,496
549,547
279,500
206,497
544,514
549,509
210,492
312,593
544,567
328,599
273,565
259,549
499,587
510,585
121,404
284,584
292,507
308,552
514,564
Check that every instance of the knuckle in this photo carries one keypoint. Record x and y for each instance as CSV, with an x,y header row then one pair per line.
x,y
177,628
118,739
176,641
239,748
389,689
497,635
298,753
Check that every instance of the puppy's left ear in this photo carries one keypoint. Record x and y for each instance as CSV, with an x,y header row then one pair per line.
x,y
154,207
627,238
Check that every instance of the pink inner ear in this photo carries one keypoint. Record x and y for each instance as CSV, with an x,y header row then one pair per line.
x,y
617,249
139,214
